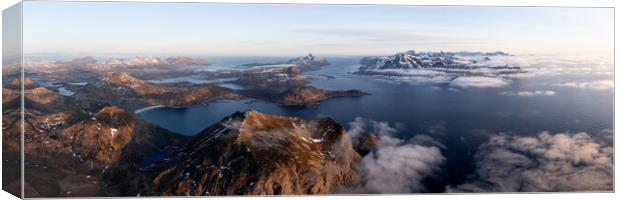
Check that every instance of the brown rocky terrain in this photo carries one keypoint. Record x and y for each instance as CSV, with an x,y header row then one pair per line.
x,y
123,89
311,96
279,78
367,143
70,144
9,95
253,153
288,87
41,95
284,86
80,146
87,143
25,81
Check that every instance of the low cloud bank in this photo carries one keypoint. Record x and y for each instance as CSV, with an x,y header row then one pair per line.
x,y
396,166
479,82
529,93
544,163
592,85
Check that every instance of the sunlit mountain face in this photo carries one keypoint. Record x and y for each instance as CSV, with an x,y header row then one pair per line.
x,y
412,122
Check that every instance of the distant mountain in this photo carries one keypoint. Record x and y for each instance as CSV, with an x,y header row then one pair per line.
x,y
50,66
305,63
417,60
151,61
252,153
437,65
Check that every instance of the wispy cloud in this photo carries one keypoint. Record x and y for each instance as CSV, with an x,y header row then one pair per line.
x,y
593,85
530,93
479,82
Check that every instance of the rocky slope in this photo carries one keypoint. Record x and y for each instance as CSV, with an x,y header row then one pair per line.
x,y
253,153
70,143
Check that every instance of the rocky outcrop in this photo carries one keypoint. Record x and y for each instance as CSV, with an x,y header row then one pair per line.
x,y
9,95
286,86
41,95
253,153
368,142
311,96
102,137
18,81
274,79
309,62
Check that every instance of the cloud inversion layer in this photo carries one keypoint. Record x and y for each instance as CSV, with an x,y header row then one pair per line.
x,y
545,163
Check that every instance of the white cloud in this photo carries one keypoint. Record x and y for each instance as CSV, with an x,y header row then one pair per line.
x,y
530,93
396,166
479,82
546,162
593,85
400,168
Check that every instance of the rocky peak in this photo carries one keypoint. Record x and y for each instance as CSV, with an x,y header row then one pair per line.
x,y
367,143
113,116
259,154
186,61
122,78
309,62
41,95
101,138
18,82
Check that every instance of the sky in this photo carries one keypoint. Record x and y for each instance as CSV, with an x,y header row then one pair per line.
x,y
99,28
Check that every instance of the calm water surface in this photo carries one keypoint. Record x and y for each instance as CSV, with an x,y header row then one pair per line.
x,y
465,117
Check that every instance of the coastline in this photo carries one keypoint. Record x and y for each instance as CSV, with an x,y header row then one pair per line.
x,y
147,108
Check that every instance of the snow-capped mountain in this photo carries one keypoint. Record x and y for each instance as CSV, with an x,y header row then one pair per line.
x,y
150,61
465,69
417,60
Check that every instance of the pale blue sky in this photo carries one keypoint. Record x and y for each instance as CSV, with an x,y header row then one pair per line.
x,y
288,29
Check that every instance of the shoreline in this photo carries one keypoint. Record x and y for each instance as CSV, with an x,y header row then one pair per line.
x,y
147,108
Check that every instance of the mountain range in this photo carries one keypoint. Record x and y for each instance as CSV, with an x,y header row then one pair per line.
x,y
305,63
90,63
417,60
